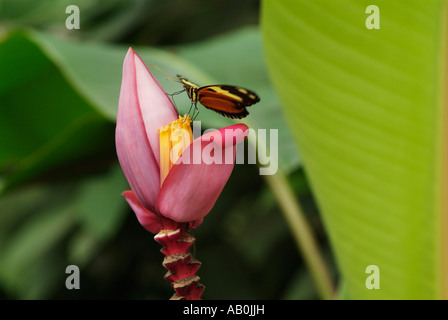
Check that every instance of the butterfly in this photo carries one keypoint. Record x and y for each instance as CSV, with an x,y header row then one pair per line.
x,y
228,101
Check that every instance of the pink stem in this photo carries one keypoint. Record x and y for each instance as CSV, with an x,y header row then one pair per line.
x,y
181,265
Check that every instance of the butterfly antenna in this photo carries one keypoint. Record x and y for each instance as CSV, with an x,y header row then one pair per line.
x,y
170,76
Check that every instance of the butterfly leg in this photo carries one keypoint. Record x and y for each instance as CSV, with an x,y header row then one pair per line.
x,y
175,93
189,110
191,106
194,111
172,96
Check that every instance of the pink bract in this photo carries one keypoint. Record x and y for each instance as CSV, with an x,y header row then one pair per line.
x,y
190,190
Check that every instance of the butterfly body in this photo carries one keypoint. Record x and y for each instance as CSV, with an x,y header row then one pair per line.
x,y
229,101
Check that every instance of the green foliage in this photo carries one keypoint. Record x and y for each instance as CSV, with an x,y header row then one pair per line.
x,y
60,201
366,109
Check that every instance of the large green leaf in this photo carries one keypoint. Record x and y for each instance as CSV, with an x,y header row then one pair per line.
x,y
55,94
44,122
368,112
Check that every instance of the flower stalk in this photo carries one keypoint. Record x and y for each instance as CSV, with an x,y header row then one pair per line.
x,y
181,264
171,192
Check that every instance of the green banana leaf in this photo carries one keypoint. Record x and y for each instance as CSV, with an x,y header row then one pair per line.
x,y
368,111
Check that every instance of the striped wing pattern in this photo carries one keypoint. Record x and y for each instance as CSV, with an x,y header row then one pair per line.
x,y
229,101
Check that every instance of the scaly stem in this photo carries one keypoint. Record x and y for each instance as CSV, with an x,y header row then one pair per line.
x,y
181,265
302,233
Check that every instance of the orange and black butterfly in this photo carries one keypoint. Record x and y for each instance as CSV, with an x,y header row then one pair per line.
x,y
228,101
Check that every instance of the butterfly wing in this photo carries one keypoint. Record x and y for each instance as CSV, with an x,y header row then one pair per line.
x,y
229,101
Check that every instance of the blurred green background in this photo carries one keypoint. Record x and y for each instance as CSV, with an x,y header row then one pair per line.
x,y
60,181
